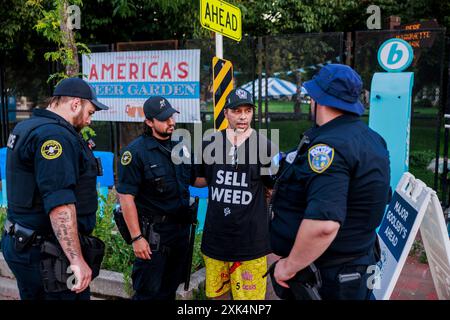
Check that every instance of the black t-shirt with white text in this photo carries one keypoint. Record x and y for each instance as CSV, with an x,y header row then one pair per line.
x,y
237,224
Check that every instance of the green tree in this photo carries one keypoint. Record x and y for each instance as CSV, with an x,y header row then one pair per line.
x,y
53,24
16,22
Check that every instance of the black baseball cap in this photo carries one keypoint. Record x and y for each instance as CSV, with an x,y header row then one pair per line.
x,y
159,108
78,88
239,97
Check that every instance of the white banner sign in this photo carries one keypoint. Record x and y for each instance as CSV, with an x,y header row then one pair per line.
x,y
413,205
124,80
437,246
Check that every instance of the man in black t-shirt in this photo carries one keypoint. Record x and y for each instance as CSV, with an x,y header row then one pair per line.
x,y
235,166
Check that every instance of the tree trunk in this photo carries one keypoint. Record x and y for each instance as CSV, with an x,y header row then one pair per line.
x,y
68,41
298,96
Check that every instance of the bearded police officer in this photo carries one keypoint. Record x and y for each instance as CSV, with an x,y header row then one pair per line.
x,y
154,196
332,193
51,186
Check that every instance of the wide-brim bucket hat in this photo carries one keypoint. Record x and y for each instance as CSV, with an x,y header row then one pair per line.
x,y
337,86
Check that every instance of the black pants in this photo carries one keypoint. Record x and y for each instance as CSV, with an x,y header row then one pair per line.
x,y
25,267
342,282
159,277
335,289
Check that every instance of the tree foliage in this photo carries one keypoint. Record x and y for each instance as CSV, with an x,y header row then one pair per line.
x,y
28,28
53,25
110,21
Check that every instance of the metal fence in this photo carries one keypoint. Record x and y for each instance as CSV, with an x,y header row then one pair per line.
x,y
273,68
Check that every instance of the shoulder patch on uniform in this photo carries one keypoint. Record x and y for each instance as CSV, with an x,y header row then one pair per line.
x,y
291,156
51,149
126,158
320,157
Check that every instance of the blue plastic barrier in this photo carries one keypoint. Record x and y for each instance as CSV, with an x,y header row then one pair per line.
x,y
107,180
202,193
11,109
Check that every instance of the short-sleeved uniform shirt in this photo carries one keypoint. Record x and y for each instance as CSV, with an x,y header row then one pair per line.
x,y
147,171
236,223
342,175
55,159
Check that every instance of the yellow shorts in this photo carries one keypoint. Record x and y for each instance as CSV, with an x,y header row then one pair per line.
x,y
245,278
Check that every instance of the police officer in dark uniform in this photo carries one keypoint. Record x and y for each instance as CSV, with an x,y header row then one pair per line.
x,y
154,196
332,192
51,186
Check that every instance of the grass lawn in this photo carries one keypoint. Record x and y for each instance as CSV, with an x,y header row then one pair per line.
x,y
288,106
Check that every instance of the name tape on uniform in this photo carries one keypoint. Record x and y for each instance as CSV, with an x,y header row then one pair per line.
x,y
222,85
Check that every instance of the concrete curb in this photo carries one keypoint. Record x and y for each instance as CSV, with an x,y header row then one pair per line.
x,y
4,269
196,283
108,285
8,289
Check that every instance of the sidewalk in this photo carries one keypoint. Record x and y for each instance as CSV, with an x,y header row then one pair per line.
x,y
415,282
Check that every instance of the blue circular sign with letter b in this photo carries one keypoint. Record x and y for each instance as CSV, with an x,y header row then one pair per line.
x,y
395,55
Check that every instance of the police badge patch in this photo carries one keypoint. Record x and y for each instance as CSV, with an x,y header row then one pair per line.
x,y
51,149
320,157
126,158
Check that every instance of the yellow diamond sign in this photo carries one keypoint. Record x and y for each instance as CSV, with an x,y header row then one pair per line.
x,y
221,17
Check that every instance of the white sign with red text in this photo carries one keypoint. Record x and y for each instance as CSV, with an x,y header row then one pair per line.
x,y
124,80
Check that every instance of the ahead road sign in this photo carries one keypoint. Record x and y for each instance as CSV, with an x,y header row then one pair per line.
x,y
221,17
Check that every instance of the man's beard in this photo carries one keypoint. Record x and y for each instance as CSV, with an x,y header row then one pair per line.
x,y
78,122
163,133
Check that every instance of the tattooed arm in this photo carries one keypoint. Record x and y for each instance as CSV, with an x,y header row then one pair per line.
x,y
64,224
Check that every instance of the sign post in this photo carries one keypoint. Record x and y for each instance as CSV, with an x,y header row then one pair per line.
x,y
224,19
219,46
222,85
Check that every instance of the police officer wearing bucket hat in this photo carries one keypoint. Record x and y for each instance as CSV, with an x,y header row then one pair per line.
x,y
52,196
154,197
332,192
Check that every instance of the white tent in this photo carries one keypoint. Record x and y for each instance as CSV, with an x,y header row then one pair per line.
x,y
276,88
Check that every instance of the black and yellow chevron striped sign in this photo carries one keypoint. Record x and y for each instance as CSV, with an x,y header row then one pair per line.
x,y
222,85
